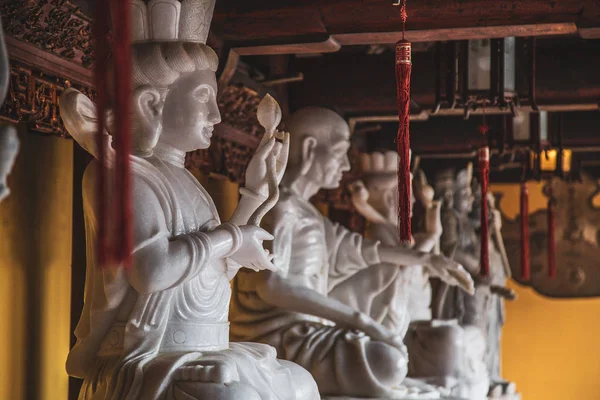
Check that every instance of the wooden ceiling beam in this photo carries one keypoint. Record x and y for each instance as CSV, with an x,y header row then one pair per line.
x,y
286,22
360,84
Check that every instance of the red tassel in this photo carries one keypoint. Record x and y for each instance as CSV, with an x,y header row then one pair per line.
x,y
101,32
484,172
123,88
525,267
403,71
551,238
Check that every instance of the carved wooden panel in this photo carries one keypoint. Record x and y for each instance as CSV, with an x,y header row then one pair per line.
x,y
33,97
55,26
577,223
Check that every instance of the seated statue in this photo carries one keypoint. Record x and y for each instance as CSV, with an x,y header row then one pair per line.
x,y
159,329
377,200
494,308
478,314
298,309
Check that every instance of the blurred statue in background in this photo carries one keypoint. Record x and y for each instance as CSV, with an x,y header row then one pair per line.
x,y
9,142
500,271
377,200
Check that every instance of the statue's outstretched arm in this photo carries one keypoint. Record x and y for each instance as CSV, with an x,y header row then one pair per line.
x,y
447,270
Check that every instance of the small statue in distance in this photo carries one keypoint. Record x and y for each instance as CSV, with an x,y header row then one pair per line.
x,y
377,200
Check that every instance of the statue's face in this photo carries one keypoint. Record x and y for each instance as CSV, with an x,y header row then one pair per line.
x,y
463,199
190,111
331,160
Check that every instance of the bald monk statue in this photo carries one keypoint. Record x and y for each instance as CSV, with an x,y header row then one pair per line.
x,y
297,309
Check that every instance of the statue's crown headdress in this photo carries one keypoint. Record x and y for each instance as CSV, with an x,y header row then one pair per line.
x,y
465,176
171,20
446,179
380,163
380,168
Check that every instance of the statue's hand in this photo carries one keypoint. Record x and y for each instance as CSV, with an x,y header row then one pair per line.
x,y
257,171
496,219
433,219
251,253
360,194
450,272
378,332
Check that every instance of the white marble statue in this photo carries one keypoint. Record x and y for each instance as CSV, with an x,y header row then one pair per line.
x,y
159,329
9,142
298,309
377,200
447,355
493,318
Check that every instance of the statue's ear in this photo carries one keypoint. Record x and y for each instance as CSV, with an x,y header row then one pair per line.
x,y
148,108
80,118
309,147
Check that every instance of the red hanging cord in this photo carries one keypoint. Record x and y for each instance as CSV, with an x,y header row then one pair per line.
x,y
101,32
484,174
403,72
123,88
551,235
525,266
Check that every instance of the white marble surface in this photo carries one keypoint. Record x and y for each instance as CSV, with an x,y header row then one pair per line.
x,y
159,329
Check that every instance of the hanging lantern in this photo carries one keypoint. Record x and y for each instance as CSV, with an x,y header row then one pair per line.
x,y
547,158
496,73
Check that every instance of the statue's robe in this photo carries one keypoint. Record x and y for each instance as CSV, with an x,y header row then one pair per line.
x,y
470,310
313,252
140,325
413,298
495,313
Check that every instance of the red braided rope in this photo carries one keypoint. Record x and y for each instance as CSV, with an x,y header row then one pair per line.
x,y
101,32
524,210
484,172
551,233
123,87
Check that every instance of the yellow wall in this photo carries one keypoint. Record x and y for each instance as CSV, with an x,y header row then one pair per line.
x,y
550,348
35,270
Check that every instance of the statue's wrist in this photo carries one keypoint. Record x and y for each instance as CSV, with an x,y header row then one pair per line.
x,y
236,236
360,320
253,195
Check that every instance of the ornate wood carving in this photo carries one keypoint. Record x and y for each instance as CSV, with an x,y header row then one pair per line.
x,y
33,97
55,26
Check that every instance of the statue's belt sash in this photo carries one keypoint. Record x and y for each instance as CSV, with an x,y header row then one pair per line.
x,y
178,337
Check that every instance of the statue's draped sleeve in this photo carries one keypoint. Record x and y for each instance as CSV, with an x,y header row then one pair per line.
x,y
449,238
348,252
162,260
